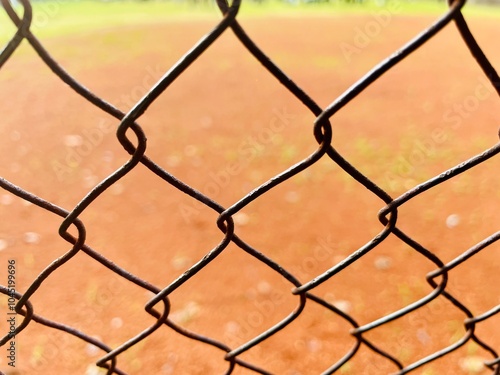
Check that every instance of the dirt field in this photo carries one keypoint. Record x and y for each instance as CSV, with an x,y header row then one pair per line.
x,y
225,127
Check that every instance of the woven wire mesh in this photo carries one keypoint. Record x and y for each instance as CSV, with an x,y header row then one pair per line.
x,y
132,137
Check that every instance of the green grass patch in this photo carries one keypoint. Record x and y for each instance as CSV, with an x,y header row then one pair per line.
x,y
55,17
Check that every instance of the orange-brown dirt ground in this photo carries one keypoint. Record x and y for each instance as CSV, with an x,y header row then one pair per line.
x,y
200,127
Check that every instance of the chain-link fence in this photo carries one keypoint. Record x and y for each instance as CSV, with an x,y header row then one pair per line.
x,y
22,310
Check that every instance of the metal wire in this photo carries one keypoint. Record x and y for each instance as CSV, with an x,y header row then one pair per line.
x,y
159,305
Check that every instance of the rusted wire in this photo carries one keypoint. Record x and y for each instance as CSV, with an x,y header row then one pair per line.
x,y
159,305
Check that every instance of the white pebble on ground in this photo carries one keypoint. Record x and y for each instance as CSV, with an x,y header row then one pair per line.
x,y
31,238
452,221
